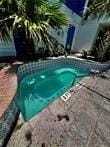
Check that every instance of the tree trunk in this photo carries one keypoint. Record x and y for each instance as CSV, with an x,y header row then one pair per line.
x,y
25,47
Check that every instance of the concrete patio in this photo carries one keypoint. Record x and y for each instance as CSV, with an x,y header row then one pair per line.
x,y
82,121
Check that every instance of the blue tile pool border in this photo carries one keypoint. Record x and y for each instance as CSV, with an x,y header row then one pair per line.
x,y
37,67
45,65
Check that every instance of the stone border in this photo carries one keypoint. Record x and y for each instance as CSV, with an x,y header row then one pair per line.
x,y
8,122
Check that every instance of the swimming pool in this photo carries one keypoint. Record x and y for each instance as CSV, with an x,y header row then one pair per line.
x,y
38,90
40,83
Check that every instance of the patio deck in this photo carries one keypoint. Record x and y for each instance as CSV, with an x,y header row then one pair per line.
x,y
82,121
8,85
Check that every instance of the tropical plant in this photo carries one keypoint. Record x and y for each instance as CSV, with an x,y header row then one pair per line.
x,y
100,9
101,48
33,18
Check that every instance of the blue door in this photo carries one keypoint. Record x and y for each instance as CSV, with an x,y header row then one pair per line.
x,y
70,36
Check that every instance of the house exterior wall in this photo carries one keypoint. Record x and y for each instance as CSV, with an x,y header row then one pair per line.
x,y
87,34
84,34
74,20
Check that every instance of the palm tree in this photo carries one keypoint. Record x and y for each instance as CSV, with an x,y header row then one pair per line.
x,y
33,19
99,9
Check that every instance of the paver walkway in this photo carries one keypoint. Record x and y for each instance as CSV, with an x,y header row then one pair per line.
x,y
82,121
8,85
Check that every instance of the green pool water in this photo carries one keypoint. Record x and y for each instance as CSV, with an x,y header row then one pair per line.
x,y
36,91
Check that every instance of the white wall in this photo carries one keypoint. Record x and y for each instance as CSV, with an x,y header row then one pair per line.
x,y
85,36
87,33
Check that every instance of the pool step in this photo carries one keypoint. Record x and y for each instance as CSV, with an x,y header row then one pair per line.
x,y
66,96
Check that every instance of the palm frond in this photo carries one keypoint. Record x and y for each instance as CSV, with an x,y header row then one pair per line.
x,y
36,17
98,9
4,33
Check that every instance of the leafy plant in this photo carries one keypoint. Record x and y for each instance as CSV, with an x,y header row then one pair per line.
x,y
102,45
84,54
34,18
98,9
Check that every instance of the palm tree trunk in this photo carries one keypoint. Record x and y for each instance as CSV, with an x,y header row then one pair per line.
x,y
25,47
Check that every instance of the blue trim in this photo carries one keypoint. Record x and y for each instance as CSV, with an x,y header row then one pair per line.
x,y
77,6
70,36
